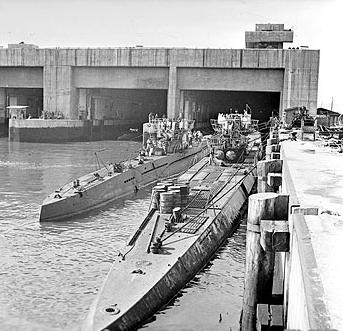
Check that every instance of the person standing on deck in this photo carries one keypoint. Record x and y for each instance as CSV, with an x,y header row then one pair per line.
x,y
190,138
211,158
150,146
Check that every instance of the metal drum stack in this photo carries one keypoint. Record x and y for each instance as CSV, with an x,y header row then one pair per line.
x,y
170,196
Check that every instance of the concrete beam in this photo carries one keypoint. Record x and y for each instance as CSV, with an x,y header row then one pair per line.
x,y
230,79
22,77
123,78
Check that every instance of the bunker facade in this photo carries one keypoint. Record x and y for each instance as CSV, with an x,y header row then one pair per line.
x,y
104,88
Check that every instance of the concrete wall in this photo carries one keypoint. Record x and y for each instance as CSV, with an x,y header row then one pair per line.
x,y
304,296
58,131
297,312
65,68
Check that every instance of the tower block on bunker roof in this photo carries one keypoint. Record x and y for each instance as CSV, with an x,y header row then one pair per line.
x,y
268,36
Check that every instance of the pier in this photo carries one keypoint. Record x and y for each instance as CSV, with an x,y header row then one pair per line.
x,y
294,238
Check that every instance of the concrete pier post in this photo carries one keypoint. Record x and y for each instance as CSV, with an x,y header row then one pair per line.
x,y
260,261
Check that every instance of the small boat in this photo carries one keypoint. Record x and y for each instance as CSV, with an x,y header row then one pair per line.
x,y
188,221
169,153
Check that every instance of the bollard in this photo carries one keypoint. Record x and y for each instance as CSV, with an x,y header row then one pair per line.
x,y
272,141
259,262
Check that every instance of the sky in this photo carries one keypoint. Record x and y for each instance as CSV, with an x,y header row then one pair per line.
x,y
180,23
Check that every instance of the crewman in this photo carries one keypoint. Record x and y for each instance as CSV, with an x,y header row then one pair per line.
x,y
150,146
140,158
211,158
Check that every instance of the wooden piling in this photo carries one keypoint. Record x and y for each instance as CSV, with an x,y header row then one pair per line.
x,y
260,262
273,145
263,169
273,149
274,180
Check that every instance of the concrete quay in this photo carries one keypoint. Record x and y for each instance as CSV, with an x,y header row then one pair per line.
x,y
313,178
64,130
294,238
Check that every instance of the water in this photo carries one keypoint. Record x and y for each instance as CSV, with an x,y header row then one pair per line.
x,y
50,273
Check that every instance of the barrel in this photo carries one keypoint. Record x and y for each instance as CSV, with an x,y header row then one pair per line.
x,y
177,194
167,183
156,191
160,188
174,187
184,190
170,180
166,202
162,185
177,197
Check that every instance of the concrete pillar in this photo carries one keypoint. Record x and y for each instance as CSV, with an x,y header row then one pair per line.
x,y
187,109
2,104
173,103
59,95
82,104
182,103
280,105
301,79
3,130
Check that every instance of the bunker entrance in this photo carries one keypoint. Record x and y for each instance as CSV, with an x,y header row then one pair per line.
x,y
30,97
204,105
127,106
